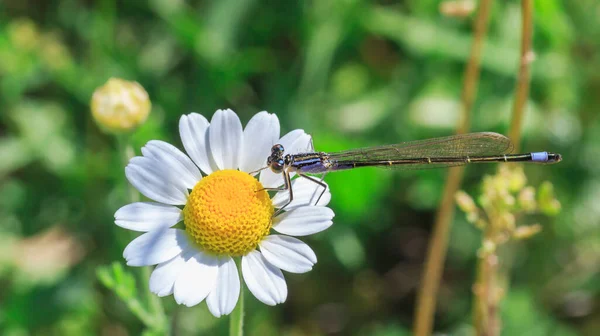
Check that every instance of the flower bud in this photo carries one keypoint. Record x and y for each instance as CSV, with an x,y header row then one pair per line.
x,y
508,221
488,247
526,232
472,217
120,106
480,224
527,199
457,8
465,202
549,205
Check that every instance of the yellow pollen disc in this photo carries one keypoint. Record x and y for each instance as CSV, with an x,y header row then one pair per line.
x,y
228,213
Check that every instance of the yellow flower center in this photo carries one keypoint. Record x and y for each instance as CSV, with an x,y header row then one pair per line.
x,y
228,213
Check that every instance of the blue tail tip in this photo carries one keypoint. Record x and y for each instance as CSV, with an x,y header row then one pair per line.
x,y
546,157
539,157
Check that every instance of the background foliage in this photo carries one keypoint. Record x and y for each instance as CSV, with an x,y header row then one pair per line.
x,y
350,72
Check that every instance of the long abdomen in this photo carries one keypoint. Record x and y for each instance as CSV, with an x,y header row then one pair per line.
x,y
310,163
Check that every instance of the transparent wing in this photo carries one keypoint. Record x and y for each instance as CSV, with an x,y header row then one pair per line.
x,y
457,146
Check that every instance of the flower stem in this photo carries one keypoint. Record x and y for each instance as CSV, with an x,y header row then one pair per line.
x,y
438,245
127,152
523,78
236,321
486,317
159,321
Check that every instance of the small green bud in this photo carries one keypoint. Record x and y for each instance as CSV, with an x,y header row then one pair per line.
x,y
552,208
526,232
549,205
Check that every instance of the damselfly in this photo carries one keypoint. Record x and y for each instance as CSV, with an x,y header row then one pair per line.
x,y
422,154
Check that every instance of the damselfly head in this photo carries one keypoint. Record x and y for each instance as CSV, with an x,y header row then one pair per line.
x,y
276,161
276,165
277,149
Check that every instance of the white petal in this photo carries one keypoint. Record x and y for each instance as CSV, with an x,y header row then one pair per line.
x,y
271,180
259,136
306,192
303,221
197,279
193,130
163,277
155,247
226,139
294,142
147,216
223,298
264,280
174,161
288,253
147,176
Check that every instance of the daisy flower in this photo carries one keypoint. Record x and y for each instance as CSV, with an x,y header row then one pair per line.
x,y
226,212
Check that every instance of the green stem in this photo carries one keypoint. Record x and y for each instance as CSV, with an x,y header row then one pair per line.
x,y
486,319
126,152
159,321
137,308
236,321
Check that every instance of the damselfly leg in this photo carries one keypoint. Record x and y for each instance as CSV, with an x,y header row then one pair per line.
x,y
257,171
319,182
287,185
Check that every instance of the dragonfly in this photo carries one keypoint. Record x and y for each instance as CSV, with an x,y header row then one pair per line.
x,y
456,150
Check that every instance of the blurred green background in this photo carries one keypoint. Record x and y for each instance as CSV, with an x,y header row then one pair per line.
x,y
350,72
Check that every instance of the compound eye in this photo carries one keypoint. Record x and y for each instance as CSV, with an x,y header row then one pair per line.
x,y
277,166
277,148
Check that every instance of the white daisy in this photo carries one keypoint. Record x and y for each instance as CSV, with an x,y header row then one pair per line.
x,y
226,214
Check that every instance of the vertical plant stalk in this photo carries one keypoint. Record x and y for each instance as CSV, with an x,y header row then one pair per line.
x,y
236,321
438,245
159,321
127,152
486,320
524,76
488,290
